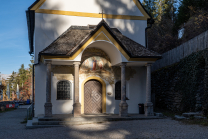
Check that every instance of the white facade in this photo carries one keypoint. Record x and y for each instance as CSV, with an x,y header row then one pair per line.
x,y
54,17
136,92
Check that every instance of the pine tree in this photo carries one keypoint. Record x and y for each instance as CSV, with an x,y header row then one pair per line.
x,y
22,75
12,81
149,5
188,8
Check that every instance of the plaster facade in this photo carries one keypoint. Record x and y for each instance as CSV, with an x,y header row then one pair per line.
x,y
136,92
102,48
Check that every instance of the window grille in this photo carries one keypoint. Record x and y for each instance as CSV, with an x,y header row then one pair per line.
x,y
64,90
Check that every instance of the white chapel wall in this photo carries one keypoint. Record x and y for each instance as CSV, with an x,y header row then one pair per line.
x,y
60,106
115,7
40,89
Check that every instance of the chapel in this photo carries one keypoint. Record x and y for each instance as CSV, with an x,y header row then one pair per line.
x,y
90,57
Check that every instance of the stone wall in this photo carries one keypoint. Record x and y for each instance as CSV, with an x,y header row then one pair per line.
x,y
183,86
199,42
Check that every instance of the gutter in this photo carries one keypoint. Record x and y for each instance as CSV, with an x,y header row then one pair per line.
x,y
30,14
33,82
150,21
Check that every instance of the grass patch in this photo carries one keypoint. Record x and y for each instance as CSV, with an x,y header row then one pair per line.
x,y
6,110
25,120
203,122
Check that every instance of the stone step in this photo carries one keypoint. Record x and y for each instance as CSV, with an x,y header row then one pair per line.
x,y
85,120
191,114
179,117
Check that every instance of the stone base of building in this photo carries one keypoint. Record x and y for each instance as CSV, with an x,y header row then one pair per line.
x,y
149,109
123,109
48,109
77,109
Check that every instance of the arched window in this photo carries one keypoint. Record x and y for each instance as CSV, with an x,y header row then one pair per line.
x,y
64,90
118,90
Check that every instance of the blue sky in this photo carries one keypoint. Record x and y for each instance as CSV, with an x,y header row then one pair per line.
x,y
14,45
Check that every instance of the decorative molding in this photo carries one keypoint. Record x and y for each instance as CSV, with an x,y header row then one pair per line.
x,y
101,36
138,4
38,5
94,15
145,16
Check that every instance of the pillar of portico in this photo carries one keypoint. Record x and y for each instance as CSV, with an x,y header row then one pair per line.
x,y
76,105
48,104
123,106
148,105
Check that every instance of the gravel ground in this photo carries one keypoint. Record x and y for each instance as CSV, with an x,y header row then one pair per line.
x,y
10,128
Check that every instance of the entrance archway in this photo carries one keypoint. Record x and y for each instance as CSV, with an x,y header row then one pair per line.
x,y
103,99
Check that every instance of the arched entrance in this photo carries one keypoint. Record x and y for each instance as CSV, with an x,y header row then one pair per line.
x,y
103,94
92,97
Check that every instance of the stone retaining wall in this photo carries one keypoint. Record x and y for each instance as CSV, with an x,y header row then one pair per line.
x,y
183,86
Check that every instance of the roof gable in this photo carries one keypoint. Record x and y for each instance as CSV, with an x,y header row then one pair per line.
x,y
63,47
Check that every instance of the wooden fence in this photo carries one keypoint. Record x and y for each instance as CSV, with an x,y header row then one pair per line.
x,y
199,42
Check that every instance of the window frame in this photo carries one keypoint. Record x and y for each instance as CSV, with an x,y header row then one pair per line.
x,y
70,93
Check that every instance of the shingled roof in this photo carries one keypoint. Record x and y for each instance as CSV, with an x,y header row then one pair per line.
x,y
76,36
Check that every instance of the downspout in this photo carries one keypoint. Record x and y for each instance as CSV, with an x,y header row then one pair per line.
x,y
150,21
33,86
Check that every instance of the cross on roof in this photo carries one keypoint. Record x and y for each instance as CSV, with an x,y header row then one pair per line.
x,y
102,13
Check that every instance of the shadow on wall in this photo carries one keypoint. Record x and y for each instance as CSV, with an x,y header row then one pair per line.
x,y
121,8
48,28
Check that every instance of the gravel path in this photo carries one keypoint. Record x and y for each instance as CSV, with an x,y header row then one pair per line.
x,y
10,128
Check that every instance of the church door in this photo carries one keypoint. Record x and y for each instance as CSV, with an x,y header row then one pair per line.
x,y
92,97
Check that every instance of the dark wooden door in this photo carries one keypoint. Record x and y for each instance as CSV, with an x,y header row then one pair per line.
x,y
92,97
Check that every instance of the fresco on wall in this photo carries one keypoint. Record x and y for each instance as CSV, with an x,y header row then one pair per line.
x,y
97,66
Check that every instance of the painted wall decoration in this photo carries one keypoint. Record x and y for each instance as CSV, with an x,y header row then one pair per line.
x,y
97,65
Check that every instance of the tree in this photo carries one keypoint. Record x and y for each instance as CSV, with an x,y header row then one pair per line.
x,y
149,5
2,87
22,75
12,82
161,36
25,76
188,8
